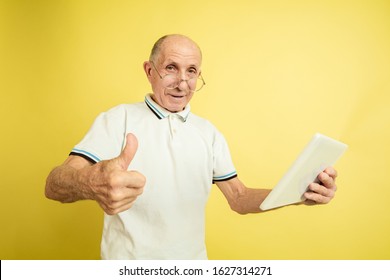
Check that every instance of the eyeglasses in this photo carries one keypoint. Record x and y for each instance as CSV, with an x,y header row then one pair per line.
x,y
195,82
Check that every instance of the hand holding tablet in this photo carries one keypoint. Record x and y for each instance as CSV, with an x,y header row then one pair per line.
x,y
320,153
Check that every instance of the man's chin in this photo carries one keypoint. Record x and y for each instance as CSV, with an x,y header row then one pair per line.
x,y
176,104
175,109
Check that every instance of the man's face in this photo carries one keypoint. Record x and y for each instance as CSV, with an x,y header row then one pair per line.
x,y
178,56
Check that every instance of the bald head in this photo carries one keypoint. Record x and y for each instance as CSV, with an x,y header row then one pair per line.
x,y
173,69
171,40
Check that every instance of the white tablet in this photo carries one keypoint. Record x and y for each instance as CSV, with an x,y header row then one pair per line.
x,y
319,153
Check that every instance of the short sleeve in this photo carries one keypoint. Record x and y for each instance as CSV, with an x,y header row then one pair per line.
x,y
223,165
105,138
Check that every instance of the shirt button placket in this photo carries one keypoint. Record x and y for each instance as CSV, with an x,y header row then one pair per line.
x,y
172,124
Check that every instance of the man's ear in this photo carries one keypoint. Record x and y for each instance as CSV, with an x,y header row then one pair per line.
x,y
148,70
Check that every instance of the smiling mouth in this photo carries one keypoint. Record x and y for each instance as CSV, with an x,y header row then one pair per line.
x,y
177,96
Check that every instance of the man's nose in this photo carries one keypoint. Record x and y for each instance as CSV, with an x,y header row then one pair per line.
x,y
183,85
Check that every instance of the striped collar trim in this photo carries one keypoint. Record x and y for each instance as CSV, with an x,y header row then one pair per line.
x,y
162,113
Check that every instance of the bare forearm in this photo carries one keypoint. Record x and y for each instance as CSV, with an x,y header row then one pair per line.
x,y
65,184
107,182
249,200
241,199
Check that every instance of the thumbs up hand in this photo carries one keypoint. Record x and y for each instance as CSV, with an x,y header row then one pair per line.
x,y
123,161
112,186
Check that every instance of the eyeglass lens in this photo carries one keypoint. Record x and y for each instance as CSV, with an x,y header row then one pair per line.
x,y
172,82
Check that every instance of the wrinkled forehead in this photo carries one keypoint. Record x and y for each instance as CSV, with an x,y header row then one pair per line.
x,y
180,50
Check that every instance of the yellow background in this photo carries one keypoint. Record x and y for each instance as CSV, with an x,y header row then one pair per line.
x,y
276,73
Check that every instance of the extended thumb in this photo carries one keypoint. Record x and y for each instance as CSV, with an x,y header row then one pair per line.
x,y
128,151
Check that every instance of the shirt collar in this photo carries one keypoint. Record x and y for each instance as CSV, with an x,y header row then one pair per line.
x,y
162,113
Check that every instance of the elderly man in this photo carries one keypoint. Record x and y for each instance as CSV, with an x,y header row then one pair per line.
x,y
150,165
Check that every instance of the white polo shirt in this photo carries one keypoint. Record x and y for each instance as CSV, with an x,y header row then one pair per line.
x,y
180,154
